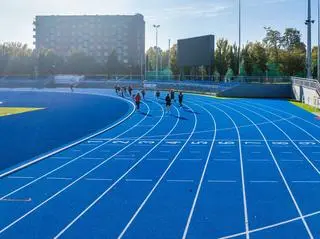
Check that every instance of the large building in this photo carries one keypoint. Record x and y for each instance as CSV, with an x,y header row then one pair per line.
x,y
95,35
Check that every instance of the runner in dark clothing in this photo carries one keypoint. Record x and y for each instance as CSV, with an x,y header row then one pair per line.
x,y
138,100
168,103
158,94
130,90
172,95
143,92
180,98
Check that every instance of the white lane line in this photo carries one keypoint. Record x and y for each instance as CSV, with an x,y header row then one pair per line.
x,y
291,115
225,160
150,159
16,200
125,159
162,176
78,179
194,159
87,158
272,225
222,181
316,181
263,181
291,160
98,179
186,229
57,157
295,145
73,160
180,181
20,177
70,145
122,177
138,180
244,196
58,178
276,163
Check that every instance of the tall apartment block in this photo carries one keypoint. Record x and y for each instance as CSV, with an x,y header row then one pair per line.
x,y
95,35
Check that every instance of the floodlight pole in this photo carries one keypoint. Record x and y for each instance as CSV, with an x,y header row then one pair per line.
x,y
169,55
239,53
157,55
318,64
309,50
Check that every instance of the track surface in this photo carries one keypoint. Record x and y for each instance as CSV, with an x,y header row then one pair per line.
x,y
63,119
213,169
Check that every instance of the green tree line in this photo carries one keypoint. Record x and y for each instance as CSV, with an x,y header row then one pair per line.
x,y
277,54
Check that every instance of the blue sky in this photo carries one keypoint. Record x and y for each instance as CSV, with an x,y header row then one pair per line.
x,y
178,18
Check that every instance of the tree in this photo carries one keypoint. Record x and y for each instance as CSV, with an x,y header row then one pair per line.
x,y
273,42
247,60
259,57
222,56
291,39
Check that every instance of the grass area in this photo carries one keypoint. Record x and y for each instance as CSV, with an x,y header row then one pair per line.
x,y
306,107
5,111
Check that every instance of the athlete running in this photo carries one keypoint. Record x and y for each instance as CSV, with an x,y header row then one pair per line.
x,y
138,100
180,98
143,92
172,94
168,103
130,90
157,94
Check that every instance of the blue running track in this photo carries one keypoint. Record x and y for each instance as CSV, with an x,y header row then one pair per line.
x,y
241,168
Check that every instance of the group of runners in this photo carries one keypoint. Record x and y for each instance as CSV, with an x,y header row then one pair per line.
x,y
169,99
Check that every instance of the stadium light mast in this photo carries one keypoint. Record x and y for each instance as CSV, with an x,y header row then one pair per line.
x,y
157,54
309,50
318,64
239,53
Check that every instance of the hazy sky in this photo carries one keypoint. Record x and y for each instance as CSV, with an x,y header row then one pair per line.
x,y
178,18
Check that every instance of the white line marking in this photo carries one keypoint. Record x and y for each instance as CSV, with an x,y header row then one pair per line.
x,y
244,196
194,159
265,181
180,181
16,200
271,226
291,160
81,177
225,160
139,180
122,177
87,158
125,159
71,145
222,181
20,177
276,163
57,178
57,157
306,181
160,179
157,159
98,179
